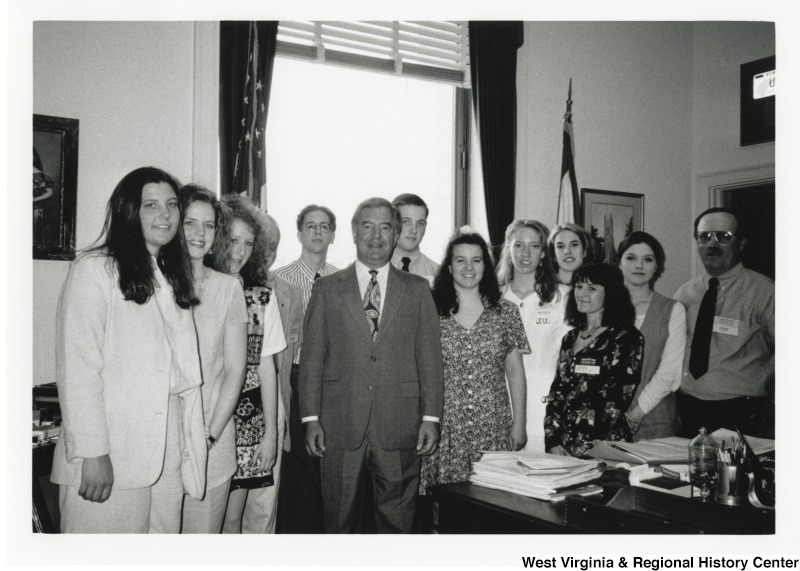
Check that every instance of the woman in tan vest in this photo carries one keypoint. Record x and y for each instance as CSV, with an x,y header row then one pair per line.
x,y
662,321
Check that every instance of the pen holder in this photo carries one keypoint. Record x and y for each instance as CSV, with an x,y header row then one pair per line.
x,y
733,485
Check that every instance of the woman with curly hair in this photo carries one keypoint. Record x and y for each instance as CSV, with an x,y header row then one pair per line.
x,y
256,416
482,344
221,320
528,281
599,365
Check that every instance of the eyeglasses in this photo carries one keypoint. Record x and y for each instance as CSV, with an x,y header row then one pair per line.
x,y
722,236
312,228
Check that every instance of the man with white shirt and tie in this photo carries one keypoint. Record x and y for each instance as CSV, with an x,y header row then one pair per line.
x,y
414,222
371,379
729,364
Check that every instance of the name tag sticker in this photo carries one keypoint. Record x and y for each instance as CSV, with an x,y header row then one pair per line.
x,y
543,317
726,326
587,369
293,335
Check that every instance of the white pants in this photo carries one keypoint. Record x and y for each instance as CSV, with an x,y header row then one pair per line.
x,y
155,509
206,516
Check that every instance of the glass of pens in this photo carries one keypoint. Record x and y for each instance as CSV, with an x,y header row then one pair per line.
x,y
733,484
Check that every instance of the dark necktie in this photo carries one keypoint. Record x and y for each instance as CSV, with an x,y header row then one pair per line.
x,y
372,304
701,341
317,276
406,262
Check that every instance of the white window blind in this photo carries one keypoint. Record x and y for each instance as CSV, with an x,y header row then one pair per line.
x,y
437,51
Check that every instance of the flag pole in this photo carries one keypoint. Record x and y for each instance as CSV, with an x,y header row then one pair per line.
x,y
568,209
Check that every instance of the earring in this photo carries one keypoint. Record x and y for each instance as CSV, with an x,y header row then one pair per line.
x,y
211,251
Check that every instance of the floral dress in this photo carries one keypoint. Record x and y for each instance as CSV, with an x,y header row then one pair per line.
x,y
593,388
249,414
477,411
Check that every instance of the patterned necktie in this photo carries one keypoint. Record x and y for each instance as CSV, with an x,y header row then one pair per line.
x,y
701,341
372,303
406,262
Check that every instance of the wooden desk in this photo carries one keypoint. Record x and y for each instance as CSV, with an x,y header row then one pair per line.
x,y
466,508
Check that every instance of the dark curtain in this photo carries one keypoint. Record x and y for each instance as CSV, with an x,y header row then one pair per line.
x,y
493,67
247,55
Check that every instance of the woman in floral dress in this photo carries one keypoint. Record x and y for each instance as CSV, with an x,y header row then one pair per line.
x,y
599,365
256,416
482,343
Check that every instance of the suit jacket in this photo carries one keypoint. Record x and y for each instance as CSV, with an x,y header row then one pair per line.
x,y
349,381
114,364
290,305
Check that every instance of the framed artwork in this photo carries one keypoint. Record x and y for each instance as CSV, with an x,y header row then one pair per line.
x,y
757,100
610,216
55,187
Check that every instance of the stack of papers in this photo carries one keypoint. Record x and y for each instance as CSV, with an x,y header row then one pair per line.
x,y
670,450
537,475
659,450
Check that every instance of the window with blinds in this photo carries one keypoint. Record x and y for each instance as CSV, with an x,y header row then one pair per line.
x,y
436,51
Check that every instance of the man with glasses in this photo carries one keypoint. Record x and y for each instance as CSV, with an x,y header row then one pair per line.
x,y
407,255
300,495
729,364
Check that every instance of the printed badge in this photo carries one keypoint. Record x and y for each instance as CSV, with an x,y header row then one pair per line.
x,y
726,326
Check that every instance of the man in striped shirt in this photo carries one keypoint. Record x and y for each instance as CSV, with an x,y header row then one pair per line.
x,y
316,229
300,495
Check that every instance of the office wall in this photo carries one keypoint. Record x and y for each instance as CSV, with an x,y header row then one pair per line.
x,y
131,86
632,116
656,105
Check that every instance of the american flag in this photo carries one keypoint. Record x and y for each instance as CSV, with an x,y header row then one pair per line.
x,y
249,171
569,205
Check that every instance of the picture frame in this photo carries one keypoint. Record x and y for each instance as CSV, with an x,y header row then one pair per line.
x,y
609,216
757,102
55,187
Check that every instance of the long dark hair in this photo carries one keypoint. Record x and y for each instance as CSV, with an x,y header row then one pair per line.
x,y
122,239
255,270
444,292
545,279
617,306
192,193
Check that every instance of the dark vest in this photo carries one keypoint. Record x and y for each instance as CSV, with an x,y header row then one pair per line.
x,y
663,420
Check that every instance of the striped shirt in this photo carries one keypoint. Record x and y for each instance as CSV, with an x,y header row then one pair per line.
x,y
299,274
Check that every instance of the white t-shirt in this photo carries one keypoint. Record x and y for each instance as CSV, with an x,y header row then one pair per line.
x,y
274,340
545,328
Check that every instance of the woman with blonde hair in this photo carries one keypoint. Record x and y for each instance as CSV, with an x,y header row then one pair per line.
x,y
527,280
221,320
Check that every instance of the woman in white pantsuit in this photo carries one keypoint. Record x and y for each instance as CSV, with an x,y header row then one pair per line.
x,y
128,371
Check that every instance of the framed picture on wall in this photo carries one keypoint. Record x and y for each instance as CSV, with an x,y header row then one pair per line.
x,y
55,187
757,97
610,216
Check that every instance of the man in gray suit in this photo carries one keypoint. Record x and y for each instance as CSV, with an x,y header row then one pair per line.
x,y
371,379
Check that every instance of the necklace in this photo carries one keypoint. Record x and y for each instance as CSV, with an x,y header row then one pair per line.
x,y
588,334
203,281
